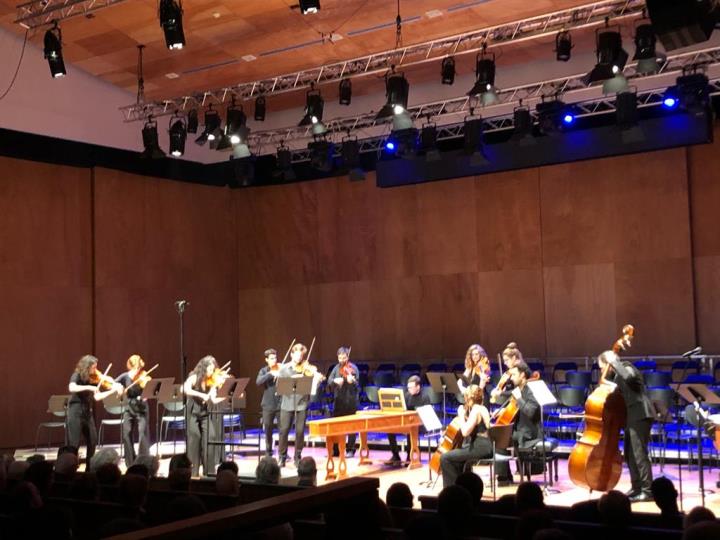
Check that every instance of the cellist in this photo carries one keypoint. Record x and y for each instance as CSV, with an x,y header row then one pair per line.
x,y
638,422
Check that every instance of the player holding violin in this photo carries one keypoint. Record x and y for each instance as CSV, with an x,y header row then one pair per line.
x,y
135,411
87,385
201,389
270,403
477,368
343,381
511,357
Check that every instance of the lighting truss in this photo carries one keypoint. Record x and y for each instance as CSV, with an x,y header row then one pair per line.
x,y
585,16
41,12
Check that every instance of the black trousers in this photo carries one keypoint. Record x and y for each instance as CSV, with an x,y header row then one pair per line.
x,y
286,420
269,416
637,437
81,422
394,448
502,468
351,438
201,427
453,463
140,420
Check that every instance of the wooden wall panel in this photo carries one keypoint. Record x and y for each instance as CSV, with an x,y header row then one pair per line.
x,y
707,282
395,322
46,285
397,232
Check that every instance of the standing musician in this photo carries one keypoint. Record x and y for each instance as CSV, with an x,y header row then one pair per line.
x,y
526,431
474,423
201,389
414,398
87,385
295,406
267,377
638,422
477,368
136,409
511,356
343,381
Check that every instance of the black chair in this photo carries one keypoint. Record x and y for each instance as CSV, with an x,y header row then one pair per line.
x,y
384,379
656,379
559,371
458,367
413,366
537,366
580,379
437,367
405,375
57,406
387,366
501,438
572,401
680,367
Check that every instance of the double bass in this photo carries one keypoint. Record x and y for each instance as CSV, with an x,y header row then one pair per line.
x,y
595,461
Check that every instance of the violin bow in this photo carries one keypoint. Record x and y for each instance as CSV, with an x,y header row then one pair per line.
x,y
307,358
288,352
138,379
105,374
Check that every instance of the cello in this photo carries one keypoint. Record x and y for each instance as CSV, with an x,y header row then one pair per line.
x,y
595,461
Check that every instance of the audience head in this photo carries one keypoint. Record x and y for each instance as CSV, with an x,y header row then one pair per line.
x,y
226,483
66,465
179,461
16,472
84,487
138,469
531,522
698,515
35,458
179,479
67,450
474,485
40,474
455,508
152,463
664,494
103,457
399,496
614,508
133,490
184,507
228,466
307,472
24,497
268,471
529,496
705,530
108,474
425,527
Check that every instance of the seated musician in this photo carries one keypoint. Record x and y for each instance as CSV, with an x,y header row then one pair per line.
x,y
477,368
511,356
343,381
414,398
526,431
474,421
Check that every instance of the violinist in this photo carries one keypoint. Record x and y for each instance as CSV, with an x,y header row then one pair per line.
x,y
477,368
526,430
474,423
85,387
267,378
511,356
639,419
343,381
201,389
294,406
136,410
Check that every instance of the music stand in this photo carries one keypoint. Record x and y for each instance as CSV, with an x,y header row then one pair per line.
x,y
697,394
294,386
162,391
234,390
544,397
444,383
431,423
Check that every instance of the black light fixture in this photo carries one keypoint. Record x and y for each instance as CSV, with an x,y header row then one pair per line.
x,y
645,52
192,121
53,51
345,92
314,105
309,6
682,23
235,123
178,134
321,154
473,140
523,124
484,77
397,90
402,142
171,14
693,92
447,70
563,46
211,130
428,142
350,153
150,140
626,110
611,57
283,163
554,116
260,109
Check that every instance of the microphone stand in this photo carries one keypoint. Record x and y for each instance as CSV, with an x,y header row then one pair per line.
x,y
180,305
681,422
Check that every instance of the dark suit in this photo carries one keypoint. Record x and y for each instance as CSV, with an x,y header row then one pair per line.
x,y
526,431
346,398
639,420
270,405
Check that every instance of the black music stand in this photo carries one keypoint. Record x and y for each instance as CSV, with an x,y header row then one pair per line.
x,y
543,396
234,390
444,383
162,391
294,386
697,394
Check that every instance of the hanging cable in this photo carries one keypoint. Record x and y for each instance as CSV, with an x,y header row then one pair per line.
x,y
17,69
140,79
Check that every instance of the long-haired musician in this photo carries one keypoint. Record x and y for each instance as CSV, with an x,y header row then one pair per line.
x,y
136,411
477,368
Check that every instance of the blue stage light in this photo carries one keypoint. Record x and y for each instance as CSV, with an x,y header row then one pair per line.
x,y
568,118
670,102
390,145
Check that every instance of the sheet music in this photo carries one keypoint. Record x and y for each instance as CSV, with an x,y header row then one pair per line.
x,y
429,418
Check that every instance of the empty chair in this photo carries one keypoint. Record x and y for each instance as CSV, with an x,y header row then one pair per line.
x,y
581,379
371,392
172,416
501,438
682,368
412,366
57,406
407,371
646,365
363,367
537,366
384,379
571,398
387,366
114,408
696,378
437,367
458,367
405,375
656,379
662,396
560,369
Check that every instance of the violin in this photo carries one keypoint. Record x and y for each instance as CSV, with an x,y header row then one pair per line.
x,y
218,376
347,370
142,377
103,381
506,414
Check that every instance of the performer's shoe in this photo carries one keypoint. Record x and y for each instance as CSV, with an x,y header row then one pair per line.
x,y
394,462
633,492
504,482
350,453
643,496
282,462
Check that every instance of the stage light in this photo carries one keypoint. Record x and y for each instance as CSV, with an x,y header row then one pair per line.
x,y
397,90
345,92
350,153
284,163
428,142
473,141
314,105
484,78
563,46
615,84
150,140
53,51
321,154
309,6
645,52
523,123
260,109
211,130
390,145
244,170
670,99
611,57
626,109
447,70
192,121
178,134
693,92
171,13
681,23
235,121
402,142
554,116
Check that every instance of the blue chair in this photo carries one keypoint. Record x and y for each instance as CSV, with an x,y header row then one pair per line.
x,y
656,379
559,371
387,366
414,366
437,367
458,367
537,366
384,379
681,367
646,365
696,378
405,375
362,367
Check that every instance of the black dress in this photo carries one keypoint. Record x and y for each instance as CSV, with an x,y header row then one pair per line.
x,y
81,417
346,398
270,404
135,413
475,446
202,429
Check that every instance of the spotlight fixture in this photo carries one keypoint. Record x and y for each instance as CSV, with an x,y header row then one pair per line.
x,y
283,163
53,51
350,153
693,92
309,6
235,124
313,107
645,52
554,116
212,127
563,46
402,142
150,140
670,98
397,90
473,140
523,122
611,57
244,171
447,70
681,23
321,154
171,14
345,92
260,109
178,135
428,142
615,85
192,121
626,109
484,78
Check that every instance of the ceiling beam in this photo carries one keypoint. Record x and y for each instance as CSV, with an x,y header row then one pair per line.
x,y
42,12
